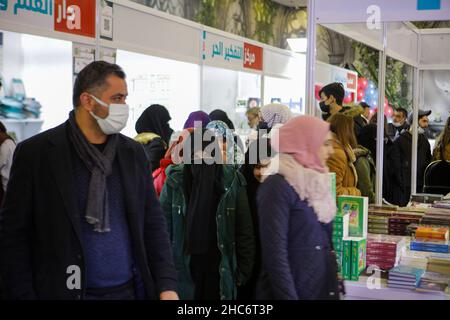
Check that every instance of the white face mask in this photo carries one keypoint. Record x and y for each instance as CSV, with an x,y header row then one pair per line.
x,y
421,130
116,119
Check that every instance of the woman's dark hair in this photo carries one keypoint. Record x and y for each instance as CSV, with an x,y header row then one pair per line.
x,y
374,120
335,89
93,77
343,126
444,138
2,127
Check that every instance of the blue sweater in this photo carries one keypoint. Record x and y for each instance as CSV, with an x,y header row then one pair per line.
x,y
295,245
108,256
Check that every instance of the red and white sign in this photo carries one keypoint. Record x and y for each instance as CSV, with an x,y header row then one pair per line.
x,y
75,17
253,57
352,81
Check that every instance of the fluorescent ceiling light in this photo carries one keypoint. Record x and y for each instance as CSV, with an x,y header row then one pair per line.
x,y
298,44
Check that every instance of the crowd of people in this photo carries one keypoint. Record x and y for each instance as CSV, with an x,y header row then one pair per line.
x,y
202,215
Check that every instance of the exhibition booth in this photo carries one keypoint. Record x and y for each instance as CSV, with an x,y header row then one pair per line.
x,y
171,61
386,27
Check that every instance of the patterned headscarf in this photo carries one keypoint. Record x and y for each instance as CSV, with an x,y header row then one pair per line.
x,y
276,113
234,154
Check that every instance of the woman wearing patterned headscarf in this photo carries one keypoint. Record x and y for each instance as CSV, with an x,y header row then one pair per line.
x,y
232,153
275,115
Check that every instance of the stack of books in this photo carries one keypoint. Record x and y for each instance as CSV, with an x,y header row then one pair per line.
x,y
354,258
437,216
429,245
398,223
379,219
383,252
439,263
434,282
414,259
402,277
340,230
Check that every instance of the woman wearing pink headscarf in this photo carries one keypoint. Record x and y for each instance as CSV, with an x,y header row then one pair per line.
x,y
296,208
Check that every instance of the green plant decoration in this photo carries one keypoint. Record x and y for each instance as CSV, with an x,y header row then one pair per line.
x,y
207,13
366,64
265,12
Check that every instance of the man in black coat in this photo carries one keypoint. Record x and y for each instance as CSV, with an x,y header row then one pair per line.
x,y
404,145
81,219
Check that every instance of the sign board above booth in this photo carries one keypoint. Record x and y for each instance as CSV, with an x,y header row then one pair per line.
x,y
347,11
225,52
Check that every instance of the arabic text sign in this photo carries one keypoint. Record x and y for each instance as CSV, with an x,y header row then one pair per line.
x,y
224,52
33,13
253,57
75,17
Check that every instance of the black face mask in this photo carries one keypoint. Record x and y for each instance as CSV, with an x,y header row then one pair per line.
x,y
262,125
325,108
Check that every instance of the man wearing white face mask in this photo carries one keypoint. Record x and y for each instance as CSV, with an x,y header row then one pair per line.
x,y
404,144
81,219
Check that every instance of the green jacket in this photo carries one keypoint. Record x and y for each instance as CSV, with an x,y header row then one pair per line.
x,y
234,235
366,169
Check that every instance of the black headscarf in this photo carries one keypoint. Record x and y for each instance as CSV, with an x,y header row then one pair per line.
x,y
202,184
222,116
155,119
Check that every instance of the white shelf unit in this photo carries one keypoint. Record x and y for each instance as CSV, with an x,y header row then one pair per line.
x,y
23,129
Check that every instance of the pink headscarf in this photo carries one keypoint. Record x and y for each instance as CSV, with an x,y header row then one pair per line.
x,y
301,137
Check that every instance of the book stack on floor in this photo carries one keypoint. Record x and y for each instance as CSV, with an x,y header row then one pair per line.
x,y
402,277
354,245
384,252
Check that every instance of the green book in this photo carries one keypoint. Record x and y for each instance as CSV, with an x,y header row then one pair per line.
x,y
357,208
346,260
333,185
358,258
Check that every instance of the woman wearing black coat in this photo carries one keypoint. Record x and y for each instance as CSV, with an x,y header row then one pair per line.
x,y
154,133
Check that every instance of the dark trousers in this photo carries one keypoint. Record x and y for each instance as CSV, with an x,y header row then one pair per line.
x,y
122,292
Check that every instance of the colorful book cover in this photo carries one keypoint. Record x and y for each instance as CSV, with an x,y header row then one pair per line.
x,y
346,260
358,257
439,233
357,209
404,272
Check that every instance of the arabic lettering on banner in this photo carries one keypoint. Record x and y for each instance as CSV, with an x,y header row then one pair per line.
x,y
253,57
347,78
75,17
38,6
224,52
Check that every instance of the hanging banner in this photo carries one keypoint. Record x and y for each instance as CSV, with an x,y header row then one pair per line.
x,y
75,17
225,52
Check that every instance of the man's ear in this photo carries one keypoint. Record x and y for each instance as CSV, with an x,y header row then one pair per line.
x,y
87,102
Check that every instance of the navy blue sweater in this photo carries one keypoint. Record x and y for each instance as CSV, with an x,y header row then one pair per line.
x,y
295,246
108,256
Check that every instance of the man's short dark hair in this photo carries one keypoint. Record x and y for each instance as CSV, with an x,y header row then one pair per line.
x,y
336,89
93,77
364,105
402,110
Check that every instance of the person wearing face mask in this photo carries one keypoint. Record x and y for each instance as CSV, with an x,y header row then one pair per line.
x,y
331,99
399,124
404,144
81,220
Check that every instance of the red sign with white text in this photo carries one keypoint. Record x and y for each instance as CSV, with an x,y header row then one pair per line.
x,y
253,57
75,17
352,81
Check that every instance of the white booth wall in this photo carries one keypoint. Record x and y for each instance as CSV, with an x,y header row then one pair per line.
x,y
45,66
153,80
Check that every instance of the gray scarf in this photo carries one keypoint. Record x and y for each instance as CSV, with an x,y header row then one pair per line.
x,y
100,166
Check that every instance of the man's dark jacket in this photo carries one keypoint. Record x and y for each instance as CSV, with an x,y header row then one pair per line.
x,y
40,232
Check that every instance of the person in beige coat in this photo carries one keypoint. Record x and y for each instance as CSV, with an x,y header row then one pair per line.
x,y
342,160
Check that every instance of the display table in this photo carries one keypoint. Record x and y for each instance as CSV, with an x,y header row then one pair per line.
x,y
358,290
